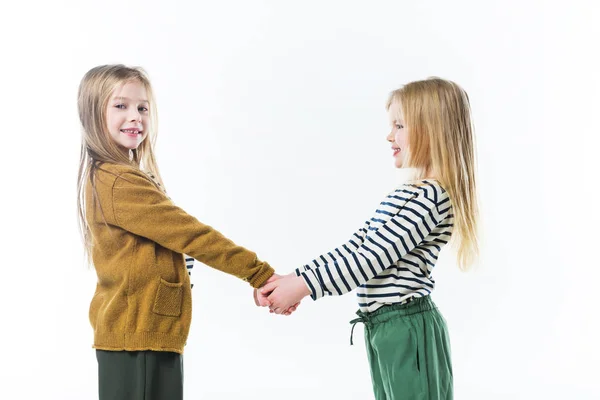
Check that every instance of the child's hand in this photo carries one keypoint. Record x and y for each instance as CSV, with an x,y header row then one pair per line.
x,y
260,299
289,311
285,294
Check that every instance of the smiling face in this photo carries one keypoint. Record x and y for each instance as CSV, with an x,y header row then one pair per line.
x,y
127,115
398,136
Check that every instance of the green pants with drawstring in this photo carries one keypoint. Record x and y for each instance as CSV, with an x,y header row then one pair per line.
x,y
409,351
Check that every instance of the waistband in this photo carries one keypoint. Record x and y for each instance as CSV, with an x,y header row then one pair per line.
x,y
385,313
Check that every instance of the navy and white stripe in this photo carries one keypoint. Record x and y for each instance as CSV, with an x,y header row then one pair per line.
x,y
189,265
391,258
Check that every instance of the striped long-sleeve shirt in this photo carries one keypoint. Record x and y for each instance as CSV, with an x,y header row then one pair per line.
x,y
391,258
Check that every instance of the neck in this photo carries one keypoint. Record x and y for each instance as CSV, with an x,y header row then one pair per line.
x,y
125,152
428,174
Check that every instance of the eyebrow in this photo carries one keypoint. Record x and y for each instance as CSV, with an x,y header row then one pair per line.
x,y
127,98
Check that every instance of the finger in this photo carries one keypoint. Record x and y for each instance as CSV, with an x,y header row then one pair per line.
x,y
259,299
262,299
290,310
264,302
269,287
274,297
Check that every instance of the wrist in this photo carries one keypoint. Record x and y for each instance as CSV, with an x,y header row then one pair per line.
x,y
305,290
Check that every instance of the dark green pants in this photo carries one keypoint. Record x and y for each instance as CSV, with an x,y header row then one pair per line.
x,y
140,375
409,351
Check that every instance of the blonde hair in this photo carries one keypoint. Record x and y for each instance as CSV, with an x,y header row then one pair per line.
x,y
437,115
97,147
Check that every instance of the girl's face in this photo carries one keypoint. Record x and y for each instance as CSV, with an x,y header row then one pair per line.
x,y
398,136
127,115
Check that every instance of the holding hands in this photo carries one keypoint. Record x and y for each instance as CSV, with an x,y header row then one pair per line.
x,y
282,294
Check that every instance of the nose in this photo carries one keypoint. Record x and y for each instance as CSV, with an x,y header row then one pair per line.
x,y
390,137
135,115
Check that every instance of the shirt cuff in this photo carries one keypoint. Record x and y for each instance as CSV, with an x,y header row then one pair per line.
x,y
311,280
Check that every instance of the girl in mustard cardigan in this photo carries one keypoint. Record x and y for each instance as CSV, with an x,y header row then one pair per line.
x,y
136,239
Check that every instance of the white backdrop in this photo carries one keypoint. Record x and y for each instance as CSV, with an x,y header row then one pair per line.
x,y
272,129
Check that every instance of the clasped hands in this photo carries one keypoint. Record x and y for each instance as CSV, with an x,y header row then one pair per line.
x,y
282,293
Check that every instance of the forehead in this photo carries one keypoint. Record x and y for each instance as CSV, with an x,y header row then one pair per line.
x,y
395,111
133,90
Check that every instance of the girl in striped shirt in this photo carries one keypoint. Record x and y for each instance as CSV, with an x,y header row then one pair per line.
x,y
390,259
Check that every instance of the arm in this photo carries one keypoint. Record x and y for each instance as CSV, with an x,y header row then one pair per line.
x,y
407,226
340,252
141,208
261,296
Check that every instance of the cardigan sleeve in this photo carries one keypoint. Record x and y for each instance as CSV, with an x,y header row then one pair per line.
x,y
141,208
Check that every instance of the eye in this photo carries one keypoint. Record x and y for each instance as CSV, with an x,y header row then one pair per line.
x,y
398,126
143,109
120,106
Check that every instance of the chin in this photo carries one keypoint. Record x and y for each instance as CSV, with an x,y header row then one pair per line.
x,y
132,146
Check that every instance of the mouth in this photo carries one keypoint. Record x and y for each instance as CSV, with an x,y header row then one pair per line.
x,y
396,150
132,132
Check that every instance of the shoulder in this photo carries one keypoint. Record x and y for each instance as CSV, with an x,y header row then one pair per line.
x,y
119,171
428,189
117,175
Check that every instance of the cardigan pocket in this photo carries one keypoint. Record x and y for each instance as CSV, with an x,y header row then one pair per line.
x,y
169,297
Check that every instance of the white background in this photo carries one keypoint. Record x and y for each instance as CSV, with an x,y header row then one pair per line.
x,y
272,129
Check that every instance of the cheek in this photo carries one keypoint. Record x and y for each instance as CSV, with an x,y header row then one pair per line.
x,y
400,138
112,120
146,125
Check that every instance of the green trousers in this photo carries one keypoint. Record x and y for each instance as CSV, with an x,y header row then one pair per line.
x,y
140,375
409,351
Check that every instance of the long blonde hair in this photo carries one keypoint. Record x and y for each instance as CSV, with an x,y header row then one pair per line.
x,y
437,115
97,147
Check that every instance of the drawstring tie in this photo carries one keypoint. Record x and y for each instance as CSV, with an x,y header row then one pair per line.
x,y
362,318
